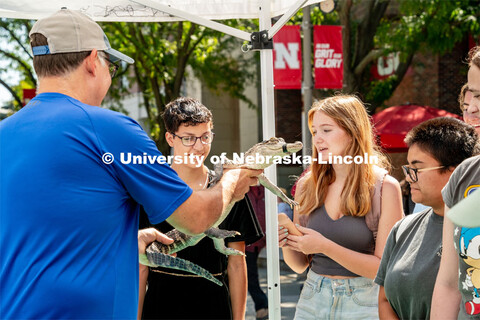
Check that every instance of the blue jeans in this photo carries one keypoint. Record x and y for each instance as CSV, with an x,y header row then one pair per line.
x,y
326,298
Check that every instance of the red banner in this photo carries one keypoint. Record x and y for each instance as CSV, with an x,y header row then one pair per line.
x,y
287,58
328,57
472,42
385,66
28,94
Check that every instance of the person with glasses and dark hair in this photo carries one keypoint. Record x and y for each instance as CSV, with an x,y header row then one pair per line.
x,y
173,294
464,99
69,212
412,254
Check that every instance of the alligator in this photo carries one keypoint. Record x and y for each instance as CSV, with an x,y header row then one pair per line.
x,y
158,254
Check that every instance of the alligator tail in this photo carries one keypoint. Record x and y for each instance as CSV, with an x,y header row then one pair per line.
x,y
167,261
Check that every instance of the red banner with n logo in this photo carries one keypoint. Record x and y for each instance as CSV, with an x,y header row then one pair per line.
x,y
328,57
287,58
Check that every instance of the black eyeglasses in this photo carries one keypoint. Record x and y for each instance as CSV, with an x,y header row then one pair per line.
x,y
112,67
189,141
413,173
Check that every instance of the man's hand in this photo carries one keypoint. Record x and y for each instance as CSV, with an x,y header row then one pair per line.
x,y
241,180
205,207
147,236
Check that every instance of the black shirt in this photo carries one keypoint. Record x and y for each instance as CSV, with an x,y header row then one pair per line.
x,y
173,294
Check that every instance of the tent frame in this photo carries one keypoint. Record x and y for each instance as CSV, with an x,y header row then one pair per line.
x,y
268,119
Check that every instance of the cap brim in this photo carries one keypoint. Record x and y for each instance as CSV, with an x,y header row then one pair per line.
x,y
466,213
117,55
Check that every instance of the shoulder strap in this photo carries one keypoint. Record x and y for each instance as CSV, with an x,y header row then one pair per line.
x,y
373,216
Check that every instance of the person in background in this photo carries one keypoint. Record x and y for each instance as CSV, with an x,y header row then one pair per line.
x,y
408,204
469,102
464,98
260,299
173,294
411,257
346,212
471,115
457,288
70,208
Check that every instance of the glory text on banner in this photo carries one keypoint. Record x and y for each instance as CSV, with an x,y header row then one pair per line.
x,y
328,57
287,58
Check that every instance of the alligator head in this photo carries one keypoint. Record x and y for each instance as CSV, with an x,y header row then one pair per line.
x,y
272,148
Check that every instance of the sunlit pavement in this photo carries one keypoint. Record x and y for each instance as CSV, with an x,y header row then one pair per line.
x,y
290,286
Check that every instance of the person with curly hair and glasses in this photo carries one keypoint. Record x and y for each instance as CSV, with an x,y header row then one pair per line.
x,y
174,294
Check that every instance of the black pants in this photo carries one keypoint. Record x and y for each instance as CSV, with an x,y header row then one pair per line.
x,y
259,297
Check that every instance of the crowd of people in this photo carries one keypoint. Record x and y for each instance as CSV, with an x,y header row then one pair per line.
x,y
73,221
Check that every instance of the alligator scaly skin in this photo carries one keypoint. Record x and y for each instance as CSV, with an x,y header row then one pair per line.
x,y
166,261
157,253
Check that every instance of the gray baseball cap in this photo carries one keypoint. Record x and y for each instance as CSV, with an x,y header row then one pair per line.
x,y
466,213
72,31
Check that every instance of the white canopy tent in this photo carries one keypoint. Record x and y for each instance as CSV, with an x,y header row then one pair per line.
x,y
201,12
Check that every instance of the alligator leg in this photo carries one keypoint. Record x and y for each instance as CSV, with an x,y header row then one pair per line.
x,y
264,181
181,241
220,233
218,168
220,247
164,260
217,236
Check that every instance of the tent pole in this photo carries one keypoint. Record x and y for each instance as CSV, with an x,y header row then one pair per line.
x,y
307,82
268,119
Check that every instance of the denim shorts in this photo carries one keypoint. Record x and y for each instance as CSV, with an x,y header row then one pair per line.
x,y
326,298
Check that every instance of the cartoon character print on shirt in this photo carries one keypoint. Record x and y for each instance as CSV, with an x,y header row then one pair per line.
x,y
469,249
471,189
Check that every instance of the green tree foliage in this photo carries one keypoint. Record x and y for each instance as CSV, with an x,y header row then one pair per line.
x,y
15,55
375,28
164,53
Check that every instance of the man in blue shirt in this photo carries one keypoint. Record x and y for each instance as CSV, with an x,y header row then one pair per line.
x,y
69,206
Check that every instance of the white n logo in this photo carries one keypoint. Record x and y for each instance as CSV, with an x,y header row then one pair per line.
x,y
283,55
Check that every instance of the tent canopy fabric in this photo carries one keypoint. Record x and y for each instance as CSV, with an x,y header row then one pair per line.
x,y
393,124
129,11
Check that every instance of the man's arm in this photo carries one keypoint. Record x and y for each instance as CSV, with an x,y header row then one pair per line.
x,y
203,208
446,297
237,281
